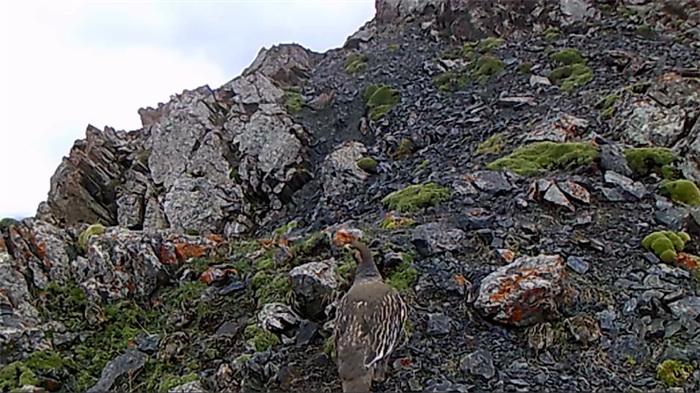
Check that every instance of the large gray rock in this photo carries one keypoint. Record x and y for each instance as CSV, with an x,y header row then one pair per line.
x,y
339,171
129,362
287,64
312,286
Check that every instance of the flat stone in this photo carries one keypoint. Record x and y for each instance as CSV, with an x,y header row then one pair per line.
x,y
492,182
633,189
555,196
577,264
479,363
438,324
575,191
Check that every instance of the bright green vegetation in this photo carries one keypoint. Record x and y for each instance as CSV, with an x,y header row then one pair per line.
x,y
492,145
673,372
329,348
567,56
422,165
392,222
666,244
479,69
416,196
530,159
367,164
570,76
646,160
261,339
552,33
284,229
684,191
293,100
271,287
96,229
355,62
573,71
380,100
404,274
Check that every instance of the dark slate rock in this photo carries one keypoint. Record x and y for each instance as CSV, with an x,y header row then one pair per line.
x,y
479,363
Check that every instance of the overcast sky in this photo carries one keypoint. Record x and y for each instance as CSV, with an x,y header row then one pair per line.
x,y
67,64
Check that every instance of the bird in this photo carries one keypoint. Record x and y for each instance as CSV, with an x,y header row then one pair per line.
x,y
369,323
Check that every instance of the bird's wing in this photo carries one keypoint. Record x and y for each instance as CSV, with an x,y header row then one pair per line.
x,y
385,323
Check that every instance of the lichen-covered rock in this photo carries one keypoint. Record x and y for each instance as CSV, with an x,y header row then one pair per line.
x,y
312,286
277,317
525,292
340,172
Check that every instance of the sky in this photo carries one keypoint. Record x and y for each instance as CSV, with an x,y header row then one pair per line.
x,y
67,64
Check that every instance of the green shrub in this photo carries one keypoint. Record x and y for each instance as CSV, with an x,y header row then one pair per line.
x,y
355,62
293,101
673,372
567,57
380,100
416,196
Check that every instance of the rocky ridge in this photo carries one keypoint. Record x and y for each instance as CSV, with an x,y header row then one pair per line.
x,y
213,263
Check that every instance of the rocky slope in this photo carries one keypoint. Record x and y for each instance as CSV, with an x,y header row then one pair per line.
x,y
526,172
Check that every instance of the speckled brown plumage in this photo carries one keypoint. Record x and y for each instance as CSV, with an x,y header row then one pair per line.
x,y
368,326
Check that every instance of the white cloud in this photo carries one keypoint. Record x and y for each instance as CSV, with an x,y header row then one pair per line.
x,y
64,65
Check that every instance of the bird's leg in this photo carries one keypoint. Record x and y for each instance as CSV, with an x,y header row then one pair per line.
x,y
380,370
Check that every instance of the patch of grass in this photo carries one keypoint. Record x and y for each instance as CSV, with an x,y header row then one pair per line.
x,y
673,372
531,159
355,62
15,375
310,244
380,100
294,102
284,229
271,287
260,339
526,67
329,348
422,165
416,196
607,104
639,87
552,33
684,191
451,80
492,145
567,56
391,222
666,244
646,160
95,229
570,76
171,381
404,274
367,164
486,67
404,150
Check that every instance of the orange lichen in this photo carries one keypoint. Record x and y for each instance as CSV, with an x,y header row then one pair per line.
x,y
342,237
214,274
2,244
186,251
215,238
460,280
687,261
41,250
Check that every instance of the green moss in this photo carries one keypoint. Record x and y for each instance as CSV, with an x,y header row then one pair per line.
x,y
607,104
646,160
451,80
380,100
355,62
347,267
95,229
684,191
404,150
294,102
171,381
260,339
404,275
486,67
271,287
492,145
673,372
487,45
526,67
329,348
15,375
44,361
423,164
665,244
644,30
310,244
5,223
570,76
416,196
552,33
367,164
391,222
286,228
531,159
567,56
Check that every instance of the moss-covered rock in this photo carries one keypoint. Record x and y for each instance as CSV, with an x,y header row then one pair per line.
x,y
294,102
403,276
570,76
489,44
492,145
259,338
646,160
355,62
451,80
673,372
684,191
380,100
392,222
531,159
486,67
567,56
665,244
416,196
95,229
367,164
552,33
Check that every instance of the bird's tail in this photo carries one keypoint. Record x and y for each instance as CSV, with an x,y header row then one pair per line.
x,y
360,384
